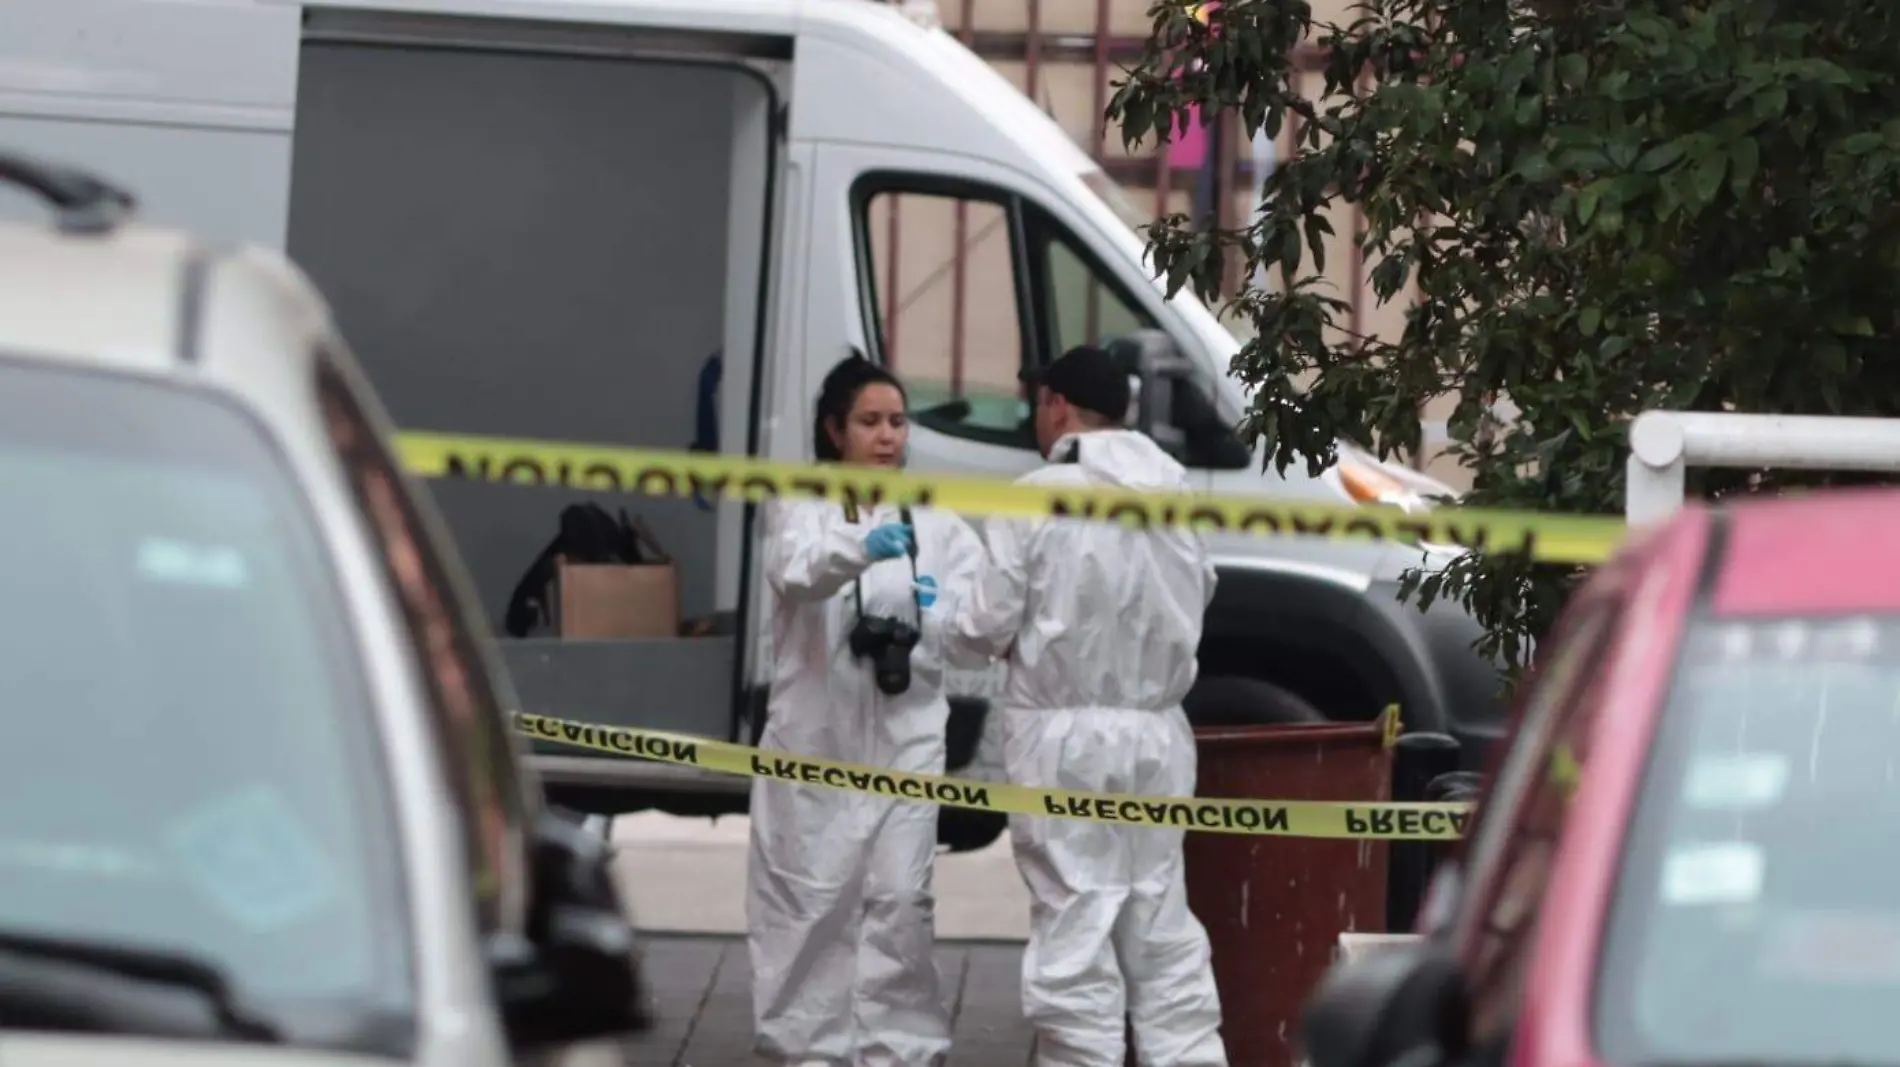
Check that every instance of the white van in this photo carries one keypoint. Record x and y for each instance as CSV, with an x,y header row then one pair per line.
x,y
546,218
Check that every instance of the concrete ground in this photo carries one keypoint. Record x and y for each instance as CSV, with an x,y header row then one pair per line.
x,y
702,995
684,880
687,876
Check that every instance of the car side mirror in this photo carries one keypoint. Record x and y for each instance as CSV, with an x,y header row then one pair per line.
x,y
1406,1004
576,976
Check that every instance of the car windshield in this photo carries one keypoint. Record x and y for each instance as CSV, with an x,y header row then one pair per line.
x,y
1757,916
190,768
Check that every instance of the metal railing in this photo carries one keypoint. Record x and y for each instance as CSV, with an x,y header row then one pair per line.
x,y
1665,444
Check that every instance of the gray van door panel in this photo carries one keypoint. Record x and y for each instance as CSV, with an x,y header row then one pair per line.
x,y
520,242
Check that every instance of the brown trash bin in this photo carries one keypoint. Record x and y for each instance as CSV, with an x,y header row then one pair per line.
x,y
1274,907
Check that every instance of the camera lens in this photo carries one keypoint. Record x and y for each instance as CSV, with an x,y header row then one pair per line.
x,y
887,643
893,669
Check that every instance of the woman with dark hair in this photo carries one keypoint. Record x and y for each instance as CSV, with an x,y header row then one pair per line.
x,y
839,904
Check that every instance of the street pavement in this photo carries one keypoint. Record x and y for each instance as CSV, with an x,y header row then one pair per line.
x,y
684,880
687,876
701,988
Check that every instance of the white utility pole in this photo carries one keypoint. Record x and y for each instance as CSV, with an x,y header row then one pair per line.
x,y
1665,444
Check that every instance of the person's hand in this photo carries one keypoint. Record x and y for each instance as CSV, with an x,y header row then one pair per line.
x,y
888,541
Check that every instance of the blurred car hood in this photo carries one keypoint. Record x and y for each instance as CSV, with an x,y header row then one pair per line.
x,y
95,1050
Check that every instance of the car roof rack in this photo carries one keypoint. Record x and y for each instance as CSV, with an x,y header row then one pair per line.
x,y
84,203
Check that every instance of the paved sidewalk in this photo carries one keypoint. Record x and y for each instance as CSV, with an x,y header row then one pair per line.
x,y
687,876
702,996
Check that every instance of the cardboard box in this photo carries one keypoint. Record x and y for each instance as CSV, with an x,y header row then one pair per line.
x,y
618,601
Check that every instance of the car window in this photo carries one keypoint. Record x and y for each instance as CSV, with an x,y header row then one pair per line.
x,y
1757,914
191,765
469,718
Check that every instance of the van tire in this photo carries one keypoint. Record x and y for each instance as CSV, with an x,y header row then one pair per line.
x,y
1236,700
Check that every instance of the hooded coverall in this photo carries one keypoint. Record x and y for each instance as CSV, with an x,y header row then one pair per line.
x,y
1105,622
839,904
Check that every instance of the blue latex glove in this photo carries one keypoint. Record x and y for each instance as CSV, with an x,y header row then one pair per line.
x,y
888,541
926,590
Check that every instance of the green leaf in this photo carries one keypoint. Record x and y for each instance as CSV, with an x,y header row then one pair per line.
x,y
1589,160
1572,70
1853,326
1863,143
1589,320
1707,178
1660,157
1587,202
1316,230
1744,160
1771,103
1178,273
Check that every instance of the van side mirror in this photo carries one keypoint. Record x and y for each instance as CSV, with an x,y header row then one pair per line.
x,y
1172,406
576,977
1404,1004
1159,370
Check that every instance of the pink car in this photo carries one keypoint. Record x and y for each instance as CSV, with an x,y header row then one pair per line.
x,y
1687,852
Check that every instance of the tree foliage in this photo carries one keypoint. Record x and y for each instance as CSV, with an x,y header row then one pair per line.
x,y
1606,207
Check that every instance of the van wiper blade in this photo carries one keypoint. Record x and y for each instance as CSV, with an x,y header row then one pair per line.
x,y
40,1001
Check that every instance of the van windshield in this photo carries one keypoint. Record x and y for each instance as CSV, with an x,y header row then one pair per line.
x,y
1757,915
190,767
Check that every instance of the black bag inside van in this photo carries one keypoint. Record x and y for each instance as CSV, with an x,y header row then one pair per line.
x,y
588,534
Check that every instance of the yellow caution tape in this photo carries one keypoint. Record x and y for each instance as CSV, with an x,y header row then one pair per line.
x,y
1388,820
1547,538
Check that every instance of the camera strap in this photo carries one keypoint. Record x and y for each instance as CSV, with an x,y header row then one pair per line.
x,y
916,597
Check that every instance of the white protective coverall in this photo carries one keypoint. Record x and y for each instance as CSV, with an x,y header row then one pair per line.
x,y
839,905
1105,621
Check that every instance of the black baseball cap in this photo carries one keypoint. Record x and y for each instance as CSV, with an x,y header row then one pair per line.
x,y
1087,377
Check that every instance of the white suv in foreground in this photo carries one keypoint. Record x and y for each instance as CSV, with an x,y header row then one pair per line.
x,y
260,802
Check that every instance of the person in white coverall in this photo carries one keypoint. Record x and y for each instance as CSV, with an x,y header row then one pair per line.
x,y
839,907
1104,622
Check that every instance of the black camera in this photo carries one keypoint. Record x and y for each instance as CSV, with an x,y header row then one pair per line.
x,y
886,641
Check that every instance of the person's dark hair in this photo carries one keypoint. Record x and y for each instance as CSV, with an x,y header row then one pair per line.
x,y
839,395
